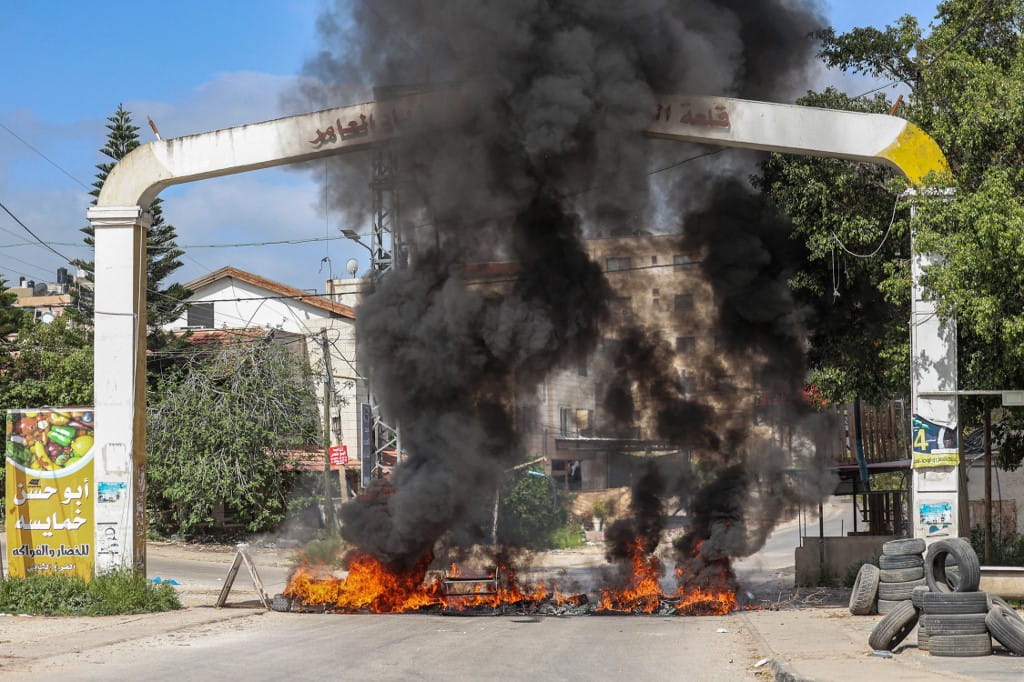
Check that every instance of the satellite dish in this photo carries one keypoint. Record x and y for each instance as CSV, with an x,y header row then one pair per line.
x,y
352,266
47,317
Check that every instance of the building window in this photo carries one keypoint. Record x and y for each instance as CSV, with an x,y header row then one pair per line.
x,y
685,382
581,369
655,298
584,422
654,260
621,309
564,420
200,315
567,473
682,261
616,264
685,344
684,301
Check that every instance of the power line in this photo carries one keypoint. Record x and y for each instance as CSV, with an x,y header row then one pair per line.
x,y
878,248
34,235
48,159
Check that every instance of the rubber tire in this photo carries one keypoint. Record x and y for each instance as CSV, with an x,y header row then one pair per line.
x,y
959,624
865,589
922,639
901,575
966,561
994,599
962,645
915,596
902,561
1006,626
904,546
898,591
281,603
938,603
893,628
885,606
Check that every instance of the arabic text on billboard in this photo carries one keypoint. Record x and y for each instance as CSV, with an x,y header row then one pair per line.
x,y
49,491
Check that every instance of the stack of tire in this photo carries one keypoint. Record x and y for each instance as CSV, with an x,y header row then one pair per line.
x,y
900,570
952,617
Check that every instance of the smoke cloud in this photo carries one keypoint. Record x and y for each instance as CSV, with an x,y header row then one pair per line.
x,y
558,94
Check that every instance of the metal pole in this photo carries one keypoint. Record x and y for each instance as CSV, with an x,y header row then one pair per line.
x,y
821,536
988,485
332,525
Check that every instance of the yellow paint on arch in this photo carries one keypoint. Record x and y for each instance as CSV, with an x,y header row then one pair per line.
x,y
916,154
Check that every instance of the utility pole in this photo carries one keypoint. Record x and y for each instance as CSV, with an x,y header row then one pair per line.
x,y
988,485
332,525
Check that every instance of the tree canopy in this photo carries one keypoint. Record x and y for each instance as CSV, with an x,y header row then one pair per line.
x,y
961,81
219,431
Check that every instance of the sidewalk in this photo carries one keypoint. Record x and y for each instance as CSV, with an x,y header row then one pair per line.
x,y
830,645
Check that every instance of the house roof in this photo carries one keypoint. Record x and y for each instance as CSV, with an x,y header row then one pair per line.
x,y
54,300
228,272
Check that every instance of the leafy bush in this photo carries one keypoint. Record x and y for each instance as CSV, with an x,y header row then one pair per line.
x,y
567,537
328,551
531,511
219,433
114,593
1006,551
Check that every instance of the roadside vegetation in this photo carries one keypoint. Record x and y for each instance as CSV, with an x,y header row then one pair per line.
x,y
111,594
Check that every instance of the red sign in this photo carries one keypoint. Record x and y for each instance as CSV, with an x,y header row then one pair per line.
x,y
339,455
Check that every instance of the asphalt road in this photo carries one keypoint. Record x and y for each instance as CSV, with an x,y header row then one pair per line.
x,y
285,646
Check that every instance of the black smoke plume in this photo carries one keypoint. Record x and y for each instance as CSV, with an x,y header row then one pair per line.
x,y
558,95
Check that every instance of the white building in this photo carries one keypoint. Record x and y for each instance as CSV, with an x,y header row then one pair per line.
x,y
230,298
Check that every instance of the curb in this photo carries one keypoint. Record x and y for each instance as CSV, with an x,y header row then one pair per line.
x,y
781,669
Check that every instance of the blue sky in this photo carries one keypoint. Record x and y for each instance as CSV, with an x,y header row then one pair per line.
x,y
192,66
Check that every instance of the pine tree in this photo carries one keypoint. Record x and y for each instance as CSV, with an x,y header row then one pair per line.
x,y
11,317
163,305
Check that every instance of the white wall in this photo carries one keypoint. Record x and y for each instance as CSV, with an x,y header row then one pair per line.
x,y
283,313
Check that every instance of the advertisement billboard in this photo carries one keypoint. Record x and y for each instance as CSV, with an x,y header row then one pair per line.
x,y
50,491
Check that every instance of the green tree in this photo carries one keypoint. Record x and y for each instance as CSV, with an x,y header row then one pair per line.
x,y
530,511
10,317
963,80
164,303
47,364
52,364
859,346
219,430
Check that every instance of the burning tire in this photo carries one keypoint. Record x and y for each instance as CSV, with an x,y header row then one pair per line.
x,y
894,628
898,591
904,546
888,563
954,624
1007,626
902,575
960,645
940,578
950,603
865,588
280,603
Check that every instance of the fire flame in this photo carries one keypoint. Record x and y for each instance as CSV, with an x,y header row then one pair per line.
x,y
711,595
374,587
371,586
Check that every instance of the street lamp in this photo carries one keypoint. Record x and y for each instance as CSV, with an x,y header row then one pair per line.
x,y
354,236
